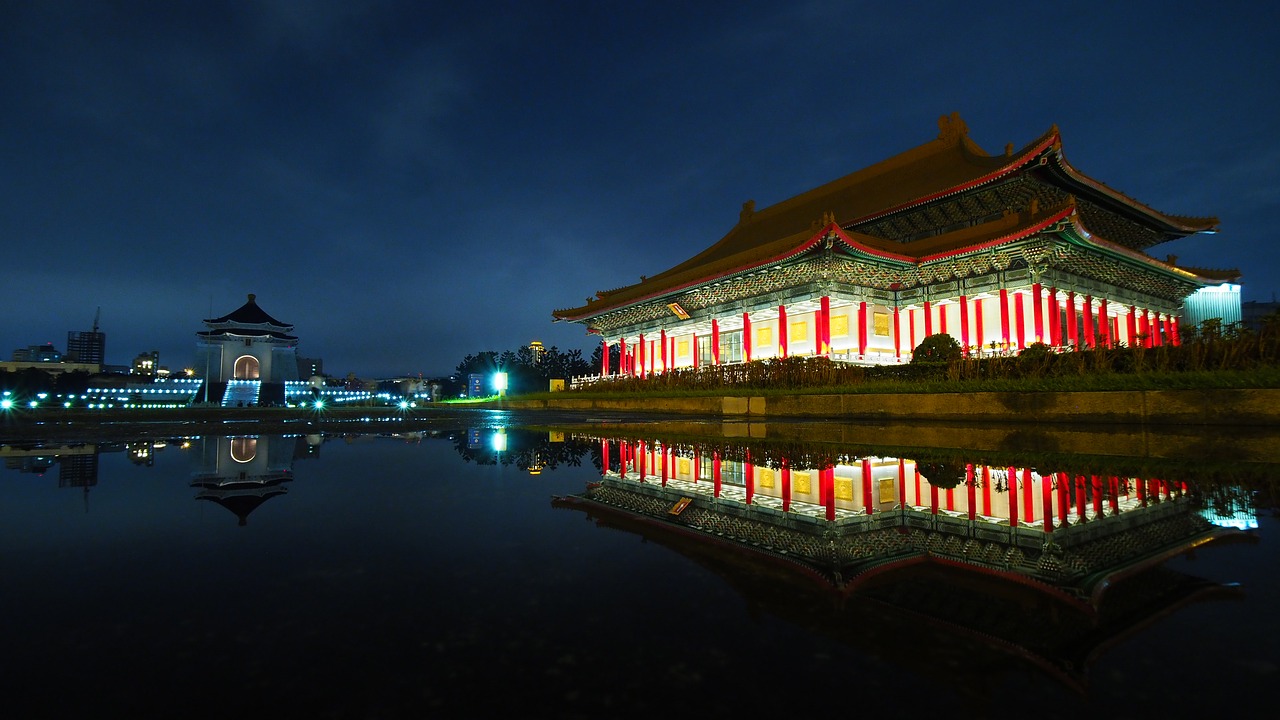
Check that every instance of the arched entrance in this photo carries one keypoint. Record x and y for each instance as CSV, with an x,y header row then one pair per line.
x,y
244,449
246,368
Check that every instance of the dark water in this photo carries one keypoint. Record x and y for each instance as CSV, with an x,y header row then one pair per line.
x,y
431,576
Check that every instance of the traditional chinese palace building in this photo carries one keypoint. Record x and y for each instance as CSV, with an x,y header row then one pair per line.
x,y
243,351
999,251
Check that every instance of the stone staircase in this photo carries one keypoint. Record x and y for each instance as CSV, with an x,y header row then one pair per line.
x,y
241,393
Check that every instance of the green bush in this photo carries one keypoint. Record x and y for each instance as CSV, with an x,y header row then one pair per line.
x,y
937,348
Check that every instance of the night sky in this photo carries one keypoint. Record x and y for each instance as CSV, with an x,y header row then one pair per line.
x,y
411,182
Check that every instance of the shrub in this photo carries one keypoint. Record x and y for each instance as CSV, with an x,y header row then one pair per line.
x,y
937,348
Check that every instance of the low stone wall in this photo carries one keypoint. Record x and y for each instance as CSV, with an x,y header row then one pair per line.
x,y
1146,407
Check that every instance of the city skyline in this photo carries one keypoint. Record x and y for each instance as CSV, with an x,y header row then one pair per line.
x,y
408,184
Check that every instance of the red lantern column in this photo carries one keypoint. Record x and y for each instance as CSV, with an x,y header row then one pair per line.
x,y
964,324
902,483
663,340
928,321
746,337
749,478
715,342
640,360
1046,499
1132,327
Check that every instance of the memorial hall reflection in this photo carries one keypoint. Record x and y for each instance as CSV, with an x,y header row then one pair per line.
x,y
242,472
953,566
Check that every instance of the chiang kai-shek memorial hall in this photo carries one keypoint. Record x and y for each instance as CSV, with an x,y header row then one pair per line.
x,y
998,251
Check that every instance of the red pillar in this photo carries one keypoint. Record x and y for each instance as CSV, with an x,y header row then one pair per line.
x,y
911,322
1097,495
604,458
862,328
749,478
972,489
928,320
604,367
1173,330
696,354
866,485
897,334
1037,313
902,483
1020,319
828,476
1087,309
1064,501
1132,326
1104,324
824,326
715,473
1013,496
1158,333
1081,508
942,319
746,337
979,334
1073,337
782,331
786,487
715,342
964,324
1004,316
662,335
1145,327
1046,499
1028,497
640,349
986,490
1055,318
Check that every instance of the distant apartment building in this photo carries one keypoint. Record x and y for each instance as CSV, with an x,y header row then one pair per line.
x,y
147,363
87,346
45,353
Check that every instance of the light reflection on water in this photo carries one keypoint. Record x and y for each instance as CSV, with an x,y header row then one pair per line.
x,y
468,570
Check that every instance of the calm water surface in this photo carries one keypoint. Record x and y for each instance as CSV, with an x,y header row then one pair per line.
x,y
431,576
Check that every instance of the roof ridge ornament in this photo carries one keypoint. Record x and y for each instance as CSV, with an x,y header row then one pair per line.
x,y
748,210
951,129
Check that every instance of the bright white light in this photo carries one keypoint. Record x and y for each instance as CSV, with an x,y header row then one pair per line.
x,y
404,404
500,381
500,440
6,403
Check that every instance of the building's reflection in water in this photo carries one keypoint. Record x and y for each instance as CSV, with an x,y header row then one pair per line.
x,y
953,568
242,472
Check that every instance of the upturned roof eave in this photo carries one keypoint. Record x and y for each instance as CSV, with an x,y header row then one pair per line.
x,y
1018,161
1184,224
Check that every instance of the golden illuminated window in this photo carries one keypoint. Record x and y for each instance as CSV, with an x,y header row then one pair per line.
x,y
682,347
798,331
839,325
844,488
800,483
764,476
882,323
764,337
888,493
682,466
